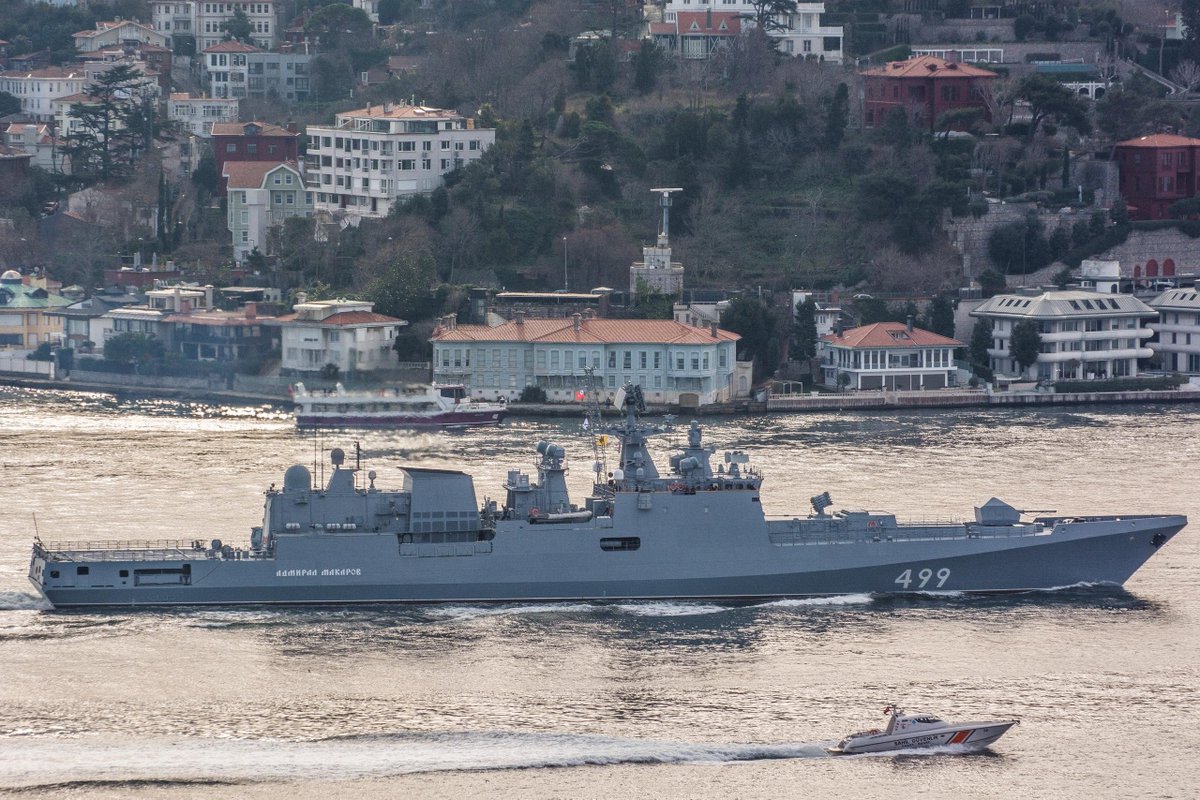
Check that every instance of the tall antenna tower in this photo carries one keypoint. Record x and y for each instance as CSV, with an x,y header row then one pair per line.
x,y
665,202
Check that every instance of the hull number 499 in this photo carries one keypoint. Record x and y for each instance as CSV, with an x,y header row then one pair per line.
x,y
924,578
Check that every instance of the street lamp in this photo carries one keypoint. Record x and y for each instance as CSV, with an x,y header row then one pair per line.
x,y
564,241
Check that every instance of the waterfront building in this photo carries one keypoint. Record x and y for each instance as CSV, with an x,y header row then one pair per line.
x,y
1084,334
150,318
925,87
196,115
1178,327
696,29
83,324
673,362
374,156
1157,171
216,335
345,333
888,355
260,195
25,318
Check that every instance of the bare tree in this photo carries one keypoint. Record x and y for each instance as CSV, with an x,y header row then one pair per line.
x,y
1187,75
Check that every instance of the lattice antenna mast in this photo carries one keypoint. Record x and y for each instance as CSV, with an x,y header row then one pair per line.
x,y
665,201
592,424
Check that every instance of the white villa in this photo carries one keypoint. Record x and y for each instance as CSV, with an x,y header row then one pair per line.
x,y
1178,329
674,363
345,333
799,33
1085,334
196,115
887,355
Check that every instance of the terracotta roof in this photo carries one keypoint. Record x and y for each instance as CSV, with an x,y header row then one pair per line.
x,y
233,47
928,67
1160,140
342,318
239,129
250,174
78,97
889,334
724,23
592,331
47,72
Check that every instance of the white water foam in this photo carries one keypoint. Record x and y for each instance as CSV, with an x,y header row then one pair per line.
x,y
834,600
664,608
55,761
461,613
23,601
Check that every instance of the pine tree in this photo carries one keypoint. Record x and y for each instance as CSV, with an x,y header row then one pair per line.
x,y
804,331
111,125
837,117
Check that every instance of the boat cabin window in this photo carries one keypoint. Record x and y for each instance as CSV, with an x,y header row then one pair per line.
x,y
454,392
620,543
926,719
82,570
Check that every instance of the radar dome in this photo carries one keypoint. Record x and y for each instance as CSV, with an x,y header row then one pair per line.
x,y
10,276
297,479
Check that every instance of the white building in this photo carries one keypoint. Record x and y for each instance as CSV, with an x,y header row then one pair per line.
x,y
345,333
1178,329
888,355
674,363
260,195
196,115
206,21
799,33
37,89
236,69
370,7
117,32
151,318
37,140
372,157
1084,334
656,272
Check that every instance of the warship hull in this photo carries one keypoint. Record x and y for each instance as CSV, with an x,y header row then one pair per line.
x,y
540,563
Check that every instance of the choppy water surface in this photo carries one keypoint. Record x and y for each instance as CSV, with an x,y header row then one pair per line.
x,y
594,700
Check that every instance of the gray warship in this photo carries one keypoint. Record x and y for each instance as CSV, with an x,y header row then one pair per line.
x,y
696,530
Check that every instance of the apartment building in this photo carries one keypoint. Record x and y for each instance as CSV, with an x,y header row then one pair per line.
x,y
117,32
1178,329
37,89
196,115
206,21
374,156
236,69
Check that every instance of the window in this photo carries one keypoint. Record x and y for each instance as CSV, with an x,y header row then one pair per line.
x,y
612,359
627,360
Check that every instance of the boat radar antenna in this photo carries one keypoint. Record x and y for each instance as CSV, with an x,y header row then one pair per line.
x,y
665,202
592,423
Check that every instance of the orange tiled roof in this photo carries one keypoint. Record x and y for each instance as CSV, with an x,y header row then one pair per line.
x,y
239,129
250,174
47,72
1160,140
880,334
591,331
233,46
928,67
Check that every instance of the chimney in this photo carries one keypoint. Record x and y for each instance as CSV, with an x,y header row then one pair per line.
x,y
575,322
291,126
909,325
301,298
185,306
520,318
712,328
251,310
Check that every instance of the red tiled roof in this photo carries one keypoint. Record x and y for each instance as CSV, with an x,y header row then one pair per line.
x,y
233,47
697,22
928,67
1160,140
341,318
239,129
250,174
47,72
597,331
880,334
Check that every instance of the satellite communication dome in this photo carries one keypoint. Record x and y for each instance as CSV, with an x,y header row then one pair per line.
x,y
297,479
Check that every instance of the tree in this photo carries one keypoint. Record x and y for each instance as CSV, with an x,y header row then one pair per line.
x,y
9,104
981,342
837,117
646,65
804,331
339,24
392,11
1049,99
1019,247
1187,75
1023,26
129,347
238,27
1191,25
940,315
753,321
766,13
992,282
1025,344
111,124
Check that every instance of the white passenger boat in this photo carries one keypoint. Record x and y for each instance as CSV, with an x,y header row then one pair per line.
x,y
437,405
912,731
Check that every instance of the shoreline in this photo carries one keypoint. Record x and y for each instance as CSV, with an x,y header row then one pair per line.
x,y
791,404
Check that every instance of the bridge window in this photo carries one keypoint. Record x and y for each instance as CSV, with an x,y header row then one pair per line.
x,y
620,543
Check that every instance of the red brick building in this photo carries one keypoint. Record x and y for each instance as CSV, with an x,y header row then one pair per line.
x,y
926,87
253,141
1156,171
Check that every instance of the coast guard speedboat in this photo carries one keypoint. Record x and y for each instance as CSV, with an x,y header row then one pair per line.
x,y
911,731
